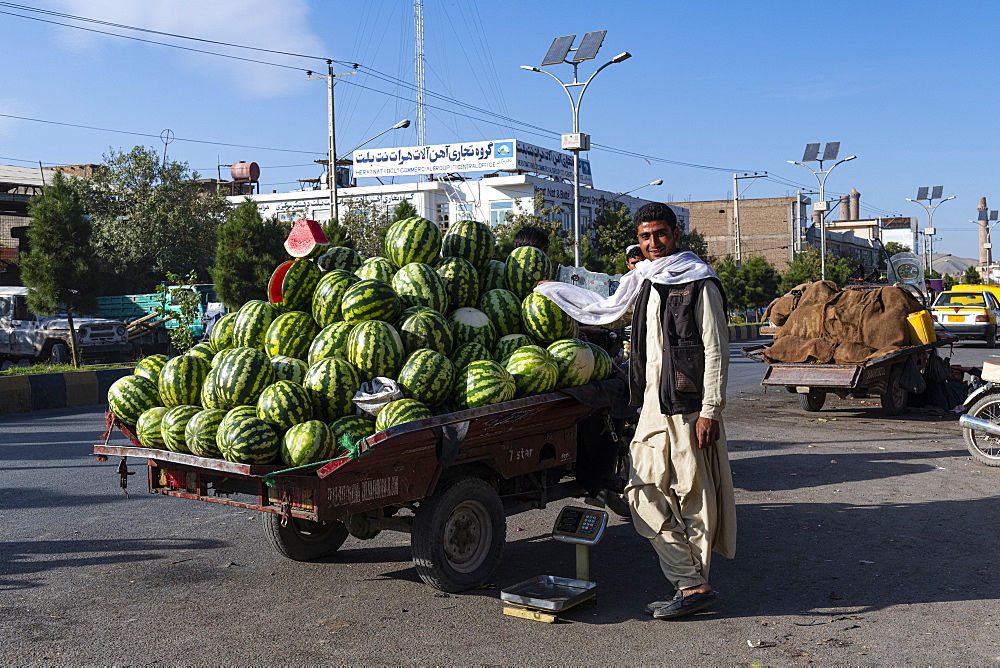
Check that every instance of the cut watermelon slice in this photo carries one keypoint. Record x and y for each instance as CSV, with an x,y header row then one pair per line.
x,y
277,282
306,239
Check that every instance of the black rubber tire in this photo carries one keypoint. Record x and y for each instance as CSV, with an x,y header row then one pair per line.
x,y
991,337
895,396
812,401
302,540
59,354
459,534
984,448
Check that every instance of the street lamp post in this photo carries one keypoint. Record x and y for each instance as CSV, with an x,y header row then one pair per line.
x,y
657,182
577,142
930,208
331,169
821,206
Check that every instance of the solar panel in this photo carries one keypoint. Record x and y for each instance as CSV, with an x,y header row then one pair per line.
x,y
937,192
922,193
993,214
558,50
983,214
832,150
589,45
811,151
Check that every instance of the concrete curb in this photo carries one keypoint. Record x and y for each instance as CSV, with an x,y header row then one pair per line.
x,y
42,391
742,332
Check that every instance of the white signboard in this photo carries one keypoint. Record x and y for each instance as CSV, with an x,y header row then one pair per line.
x,y
480,156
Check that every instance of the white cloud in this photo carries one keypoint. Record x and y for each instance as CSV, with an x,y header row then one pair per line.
x,y
282,26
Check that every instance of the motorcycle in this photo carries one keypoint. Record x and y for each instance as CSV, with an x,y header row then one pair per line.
x,y
981,422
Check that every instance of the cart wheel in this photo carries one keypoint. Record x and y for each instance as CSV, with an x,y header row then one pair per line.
x,y
895,396
458,535
984,448
302,540
812,401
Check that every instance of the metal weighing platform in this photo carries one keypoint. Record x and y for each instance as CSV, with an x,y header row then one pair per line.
x,y
542,597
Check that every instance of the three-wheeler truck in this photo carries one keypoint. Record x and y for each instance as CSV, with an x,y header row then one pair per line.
x,y
449,481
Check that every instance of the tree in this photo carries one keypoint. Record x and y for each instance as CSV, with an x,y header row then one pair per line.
x,y
247,251
404,210
614,231
694,242
805,267
972,276
894,247
337,234
366,223
728,274
61,269
759,280
544,218
150,217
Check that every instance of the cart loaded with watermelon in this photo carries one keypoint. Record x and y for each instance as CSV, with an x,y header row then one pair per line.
x,y
428,390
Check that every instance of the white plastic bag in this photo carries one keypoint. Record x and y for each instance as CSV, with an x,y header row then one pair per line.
x,y
374,395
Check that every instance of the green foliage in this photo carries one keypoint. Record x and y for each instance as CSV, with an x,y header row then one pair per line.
x,y
187,301
805,267
149,217
972,276
694,242
247,252
760,282
366,223
337,234
544,218
61,270
403,211
894,247
949,282
728,274
614,231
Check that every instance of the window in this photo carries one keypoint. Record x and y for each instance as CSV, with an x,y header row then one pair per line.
x,y
499,211
567,216
586,219
441,214
463,211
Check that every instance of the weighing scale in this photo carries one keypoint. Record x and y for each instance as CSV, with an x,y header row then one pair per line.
x,y
541,598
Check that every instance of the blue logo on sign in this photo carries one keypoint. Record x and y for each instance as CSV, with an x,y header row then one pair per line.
x,y
504,149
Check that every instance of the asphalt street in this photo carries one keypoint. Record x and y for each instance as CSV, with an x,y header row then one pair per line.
x,y
861,541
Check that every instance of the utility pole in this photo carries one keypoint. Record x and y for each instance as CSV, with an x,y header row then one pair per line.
x,y
738,250
331,131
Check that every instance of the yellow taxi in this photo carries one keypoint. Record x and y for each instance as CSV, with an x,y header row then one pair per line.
x,y
967,314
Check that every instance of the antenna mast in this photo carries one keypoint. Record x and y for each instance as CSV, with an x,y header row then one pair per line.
x,y
418,44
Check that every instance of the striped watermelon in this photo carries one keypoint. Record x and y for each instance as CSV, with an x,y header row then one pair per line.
x,y
181,380
374,347
201,430
241,377
221,335
147,428
603,366
544,320
150,367
209,397
467,353
427,376
400,412
378,268
204,350
503,309
412,240
353,428
221,356
470,240
284,404
407,312
508,344
534,370
307,443
245,438
326,301
342,258
483,383
289,368
173,426
471,325
290,334
492,277
575,360
418,284
306,239
292,285
525,267
252,321
370,300
330,342
426,328
332,382
131,396
461,281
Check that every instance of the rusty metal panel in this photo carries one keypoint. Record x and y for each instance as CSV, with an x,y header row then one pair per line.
x,y
812,375
190,460
534,453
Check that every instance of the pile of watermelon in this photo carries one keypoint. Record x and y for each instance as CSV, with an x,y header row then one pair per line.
x,y
453,327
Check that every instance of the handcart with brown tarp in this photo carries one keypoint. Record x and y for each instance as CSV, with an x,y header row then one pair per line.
x,y
866,341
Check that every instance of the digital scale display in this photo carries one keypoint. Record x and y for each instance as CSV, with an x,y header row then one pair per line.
x,y
580,525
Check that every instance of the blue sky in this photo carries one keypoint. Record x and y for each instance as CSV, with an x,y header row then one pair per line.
x,y
910,88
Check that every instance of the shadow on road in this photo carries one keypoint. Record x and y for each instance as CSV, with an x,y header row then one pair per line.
x,y
41,497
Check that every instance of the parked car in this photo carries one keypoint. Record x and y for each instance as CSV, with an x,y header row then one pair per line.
x,y
967,314
24,335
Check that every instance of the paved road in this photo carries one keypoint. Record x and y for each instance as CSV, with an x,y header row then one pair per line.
x,y
862,540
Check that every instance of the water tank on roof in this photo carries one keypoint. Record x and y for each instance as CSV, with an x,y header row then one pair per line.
x,y
245,171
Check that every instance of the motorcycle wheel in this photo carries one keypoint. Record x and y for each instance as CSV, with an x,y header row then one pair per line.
x,y
984,448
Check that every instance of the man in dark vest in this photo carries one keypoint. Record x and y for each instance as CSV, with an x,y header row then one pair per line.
x,y
680,490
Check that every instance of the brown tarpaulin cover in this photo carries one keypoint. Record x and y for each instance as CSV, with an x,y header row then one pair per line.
x,y
826,324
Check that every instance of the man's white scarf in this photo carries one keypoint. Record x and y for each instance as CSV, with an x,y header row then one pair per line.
x,y
589,308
